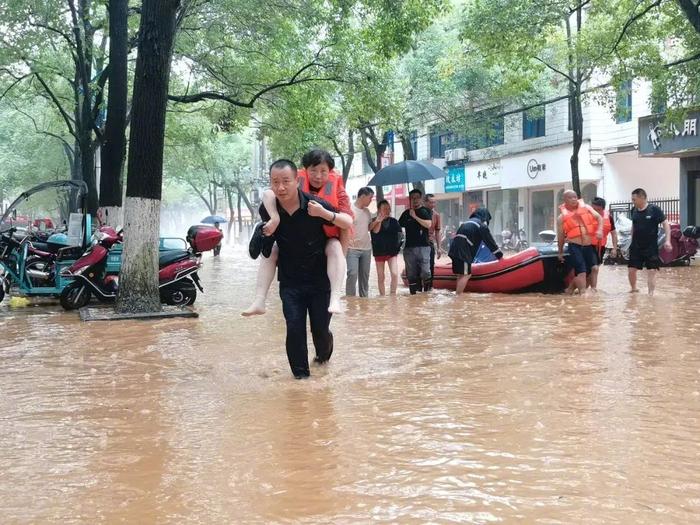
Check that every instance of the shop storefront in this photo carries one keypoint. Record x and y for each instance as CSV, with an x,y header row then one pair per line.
x,y
450,201
540,179
656,139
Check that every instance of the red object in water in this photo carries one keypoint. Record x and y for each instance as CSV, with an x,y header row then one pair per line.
x,y
532,270
682,247
204,238
48,223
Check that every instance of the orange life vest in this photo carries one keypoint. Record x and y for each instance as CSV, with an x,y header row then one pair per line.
x,y
578,222
328,193
607,228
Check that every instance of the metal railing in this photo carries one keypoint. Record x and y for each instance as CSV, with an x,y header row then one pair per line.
x,y
671,207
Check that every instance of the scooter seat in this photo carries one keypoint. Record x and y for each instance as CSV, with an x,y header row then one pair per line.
x,y
170,256
46,247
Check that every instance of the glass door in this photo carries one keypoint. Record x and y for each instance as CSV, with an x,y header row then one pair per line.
x,y
541,212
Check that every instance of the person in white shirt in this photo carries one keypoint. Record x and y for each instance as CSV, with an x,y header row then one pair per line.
x,y
360,252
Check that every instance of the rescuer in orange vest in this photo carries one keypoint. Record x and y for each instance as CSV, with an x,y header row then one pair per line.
x,y
598,204
581,226
319,179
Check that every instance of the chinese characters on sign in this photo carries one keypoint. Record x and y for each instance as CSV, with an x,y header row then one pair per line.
x,y
454,181
690,127
534,168
656,134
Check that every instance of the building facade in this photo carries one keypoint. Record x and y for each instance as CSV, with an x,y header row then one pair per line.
x,y
523,172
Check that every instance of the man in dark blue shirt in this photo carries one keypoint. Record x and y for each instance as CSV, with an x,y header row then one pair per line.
x,y
644,249
301,267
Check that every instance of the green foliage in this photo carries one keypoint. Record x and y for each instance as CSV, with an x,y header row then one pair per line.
x,y
27,157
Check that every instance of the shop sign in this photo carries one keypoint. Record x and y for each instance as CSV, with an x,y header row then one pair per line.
x,y
455,178
534,168
655,138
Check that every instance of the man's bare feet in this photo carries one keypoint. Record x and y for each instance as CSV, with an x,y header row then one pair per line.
x,y
270,226
256,308
634,290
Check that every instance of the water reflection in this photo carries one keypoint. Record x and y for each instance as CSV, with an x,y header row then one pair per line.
x,y
485,408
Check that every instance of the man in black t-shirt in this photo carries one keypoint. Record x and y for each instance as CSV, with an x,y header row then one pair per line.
x,y
301,266
416,253
644,249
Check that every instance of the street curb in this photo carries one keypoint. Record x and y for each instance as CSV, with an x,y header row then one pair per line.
x,y
108,314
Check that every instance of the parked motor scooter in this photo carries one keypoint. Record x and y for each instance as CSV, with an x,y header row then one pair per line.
x,y
177,275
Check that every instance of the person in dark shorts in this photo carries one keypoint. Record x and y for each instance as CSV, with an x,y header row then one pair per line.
x,y
466,243
644,249
580,226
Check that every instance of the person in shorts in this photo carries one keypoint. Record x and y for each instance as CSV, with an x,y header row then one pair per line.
x,y
466,243
644,249
580,226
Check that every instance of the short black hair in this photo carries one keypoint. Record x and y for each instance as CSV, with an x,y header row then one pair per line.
x,y
280,164
317,156
383,201
598,201
639,192
365,190
428,196
414,191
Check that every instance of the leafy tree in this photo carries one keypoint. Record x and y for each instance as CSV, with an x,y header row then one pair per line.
x,y
570,43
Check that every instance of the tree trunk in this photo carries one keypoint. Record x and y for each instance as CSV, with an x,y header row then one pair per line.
x,y
138,289
229,198
367,133
692,13
248,204
206,201
351,156
574,87
408,153
113,149
240,217
577,131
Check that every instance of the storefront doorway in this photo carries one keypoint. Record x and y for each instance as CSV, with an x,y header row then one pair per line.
x,y
503,205
542,206
694,197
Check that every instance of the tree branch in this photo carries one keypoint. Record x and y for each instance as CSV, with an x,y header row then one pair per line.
x,y
631,21
17,81
40,131
58,105
63,35
683,60
568,77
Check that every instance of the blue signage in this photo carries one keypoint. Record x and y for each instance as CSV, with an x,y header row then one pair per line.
x,y
454,181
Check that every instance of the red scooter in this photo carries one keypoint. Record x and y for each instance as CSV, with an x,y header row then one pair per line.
x,y
177,275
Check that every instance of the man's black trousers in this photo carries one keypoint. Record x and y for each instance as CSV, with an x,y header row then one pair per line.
x,y
297,301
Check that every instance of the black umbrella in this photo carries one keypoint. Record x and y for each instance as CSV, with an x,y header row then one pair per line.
x,y
406,172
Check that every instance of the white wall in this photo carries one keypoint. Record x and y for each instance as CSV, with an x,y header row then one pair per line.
x,y
623,172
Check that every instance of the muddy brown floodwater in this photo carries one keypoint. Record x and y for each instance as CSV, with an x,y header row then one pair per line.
x,y
487,408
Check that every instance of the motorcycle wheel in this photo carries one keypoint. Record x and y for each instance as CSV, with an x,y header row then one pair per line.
x,y
75,295
181,293
2,291
38,264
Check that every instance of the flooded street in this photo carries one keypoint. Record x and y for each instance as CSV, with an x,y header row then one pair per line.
x,y
486,408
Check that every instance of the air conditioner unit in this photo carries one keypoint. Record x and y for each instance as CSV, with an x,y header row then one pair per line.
x,y
455,154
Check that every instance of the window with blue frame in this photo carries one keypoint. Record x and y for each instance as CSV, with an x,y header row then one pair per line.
x,y
623,108
439,142
533,124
